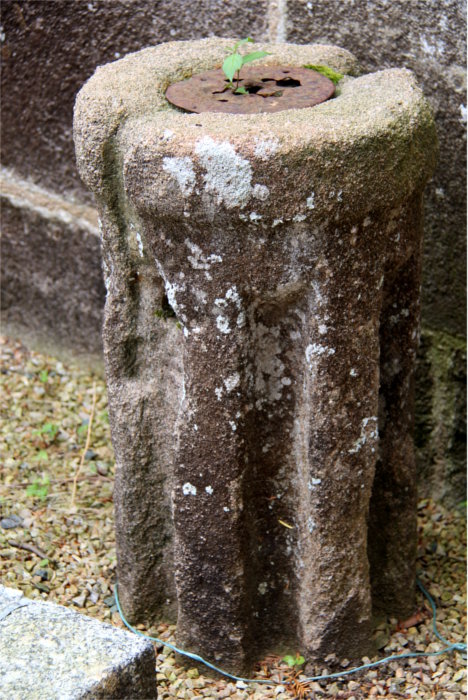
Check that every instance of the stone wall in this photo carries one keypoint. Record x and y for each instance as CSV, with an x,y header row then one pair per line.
x,y
52,292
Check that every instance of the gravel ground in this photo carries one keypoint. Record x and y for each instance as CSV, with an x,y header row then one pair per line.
x,y
57,543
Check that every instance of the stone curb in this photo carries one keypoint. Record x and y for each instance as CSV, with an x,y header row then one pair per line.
x,y
49,652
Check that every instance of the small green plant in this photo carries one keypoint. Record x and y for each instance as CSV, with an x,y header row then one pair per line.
x,y
39,488
43,375
233,63
293,660
49,430
327,72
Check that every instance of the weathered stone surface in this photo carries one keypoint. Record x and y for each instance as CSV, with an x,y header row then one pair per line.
x,y
47,55
441,417
430,40
246,426
48,652
52,287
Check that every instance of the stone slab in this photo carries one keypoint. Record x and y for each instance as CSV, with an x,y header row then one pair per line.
x,y
48,652
51,279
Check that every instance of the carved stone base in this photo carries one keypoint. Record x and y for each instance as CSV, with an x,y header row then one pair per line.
x,y
261,326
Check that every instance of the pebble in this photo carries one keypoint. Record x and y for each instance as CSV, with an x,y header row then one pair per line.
x,y
10,522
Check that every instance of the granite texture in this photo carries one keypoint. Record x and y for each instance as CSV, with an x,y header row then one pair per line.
x,y
47,54
48,652
429,38
287,249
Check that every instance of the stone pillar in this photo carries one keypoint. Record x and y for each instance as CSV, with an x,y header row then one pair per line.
x,y
260,329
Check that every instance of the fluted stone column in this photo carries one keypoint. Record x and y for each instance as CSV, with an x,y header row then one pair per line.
x,y
260,329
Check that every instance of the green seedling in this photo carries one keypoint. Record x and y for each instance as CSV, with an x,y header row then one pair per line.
x,y
39,488
327,72
83,428
43,375
49,430
293,660
233,63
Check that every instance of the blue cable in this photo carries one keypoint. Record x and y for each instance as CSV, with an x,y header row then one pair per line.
x,y
410,655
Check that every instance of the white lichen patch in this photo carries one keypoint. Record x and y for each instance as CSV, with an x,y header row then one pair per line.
x,y
223,324
232,382
219,392
353,372
311,524
299,217
264,148
198,260
181,169
209,490
139,243
322,329
369,431
255,218
315,350
313,483
262,588
260,192
241,320
189,489
233,426
171,289
463,113
226,509
310,201
107,274
233,295
228,175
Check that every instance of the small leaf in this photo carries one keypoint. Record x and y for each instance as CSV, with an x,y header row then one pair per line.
x,y
299,660
253,56
241,42
43,375
290,660
231,65
241,91
42,455
44,562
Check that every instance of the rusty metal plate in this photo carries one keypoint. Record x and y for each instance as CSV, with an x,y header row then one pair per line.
x,y
269,88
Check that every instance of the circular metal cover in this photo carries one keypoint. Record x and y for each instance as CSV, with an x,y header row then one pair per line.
x,y
269,88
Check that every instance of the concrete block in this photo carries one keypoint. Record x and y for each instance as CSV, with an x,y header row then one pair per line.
x,y
48,652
